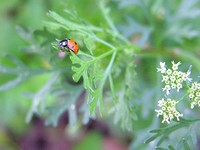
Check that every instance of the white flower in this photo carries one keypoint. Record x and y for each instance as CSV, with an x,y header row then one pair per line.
x,y
159,112
173,85
167,88
162,68
161,102
169,71
168,110
179,74
165,78
173,78
175,66
179,80
179,86
194,94
198,94
191,95
186,76
198,103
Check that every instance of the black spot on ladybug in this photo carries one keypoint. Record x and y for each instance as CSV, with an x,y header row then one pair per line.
x,y
75,43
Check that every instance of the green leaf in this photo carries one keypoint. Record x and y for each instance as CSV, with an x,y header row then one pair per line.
x,y
183,144
92,78
66,96
152,138
186,145
13,83
21,71
79,71
96,97
40,97
68,24
171,147
89,43
25,34
160,148
163,133
16,61
182,27
53,25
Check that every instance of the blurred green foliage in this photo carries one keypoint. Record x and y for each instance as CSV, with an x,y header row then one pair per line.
x,y
121,44
92,140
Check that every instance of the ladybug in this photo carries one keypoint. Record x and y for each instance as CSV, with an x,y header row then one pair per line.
x,y
68,44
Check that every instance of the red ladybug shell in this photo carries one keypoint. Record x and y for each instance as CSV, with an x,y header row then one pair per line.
x,y
72,45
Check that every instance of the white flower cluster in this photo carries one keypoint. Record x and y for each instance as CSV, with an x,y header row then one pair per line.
x,y
172,78
194,94
168,110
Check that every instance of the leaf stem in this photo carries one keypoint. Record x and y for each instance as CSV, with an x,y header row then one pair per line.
x,y
104,42
105,12
182,97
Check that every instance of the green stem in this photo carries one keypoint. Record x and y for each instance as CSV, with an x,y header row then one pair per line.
x,y
112,87
104,42
114,50
85,54
109,66
182,97
107,18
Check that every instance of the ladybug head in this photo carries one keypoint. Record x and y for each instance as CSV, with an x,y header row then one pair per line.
x,y
63,43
